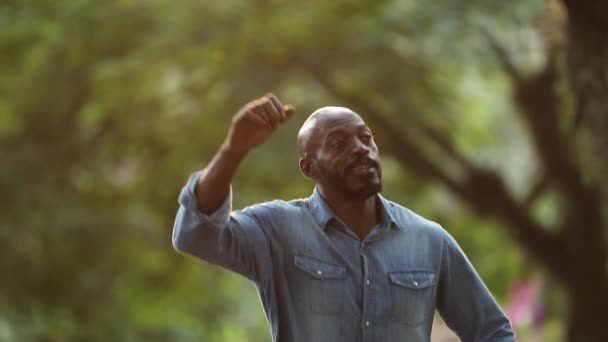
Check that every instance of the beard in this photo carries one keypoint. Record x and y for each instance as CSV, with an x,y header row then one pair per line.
x,y
364,185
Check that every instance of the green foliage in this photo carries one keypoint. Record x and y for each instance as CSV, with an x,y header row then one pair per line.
x,y
107,107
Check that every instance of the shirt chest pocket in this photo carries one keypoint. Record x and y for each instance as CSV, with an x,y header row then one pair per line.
x,y
412,296
317,286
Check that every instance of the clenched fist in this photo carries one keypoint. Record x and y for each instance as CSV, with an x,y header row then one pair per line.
x,y
255,122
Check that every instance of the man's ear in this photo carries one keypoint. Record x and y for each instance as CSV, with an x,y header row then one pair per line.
x,y
307,169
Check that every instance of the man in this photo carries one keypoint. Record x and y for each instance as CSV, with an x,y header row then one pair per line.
x,y
345,264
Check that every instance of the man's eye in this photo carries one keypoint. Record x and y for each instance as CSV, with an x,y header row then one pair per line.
x,y
366,138
337,143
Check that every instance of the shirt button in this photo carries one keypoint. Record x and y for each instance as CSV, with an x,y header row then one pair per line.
x,y
415,283
367,323
362,244
367,281
319,272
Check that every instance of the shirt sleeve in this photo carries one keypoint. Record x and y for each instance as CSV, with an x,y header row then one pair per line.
x,y
465,303
234,240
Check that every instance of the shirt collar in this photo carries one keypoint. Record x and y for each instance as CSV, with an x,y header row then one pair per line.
x,y
323,214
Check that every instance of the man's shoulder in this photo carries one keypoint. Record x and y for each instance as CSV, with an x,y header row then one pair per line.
x,y
408,219
276,214
278,206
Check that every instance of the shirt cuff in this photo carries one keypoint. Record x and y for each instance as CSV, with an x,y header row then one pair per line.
x,y
187,198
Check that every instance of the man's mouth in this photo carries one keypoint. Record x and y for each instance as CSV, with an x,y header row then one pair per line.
x,y
363,165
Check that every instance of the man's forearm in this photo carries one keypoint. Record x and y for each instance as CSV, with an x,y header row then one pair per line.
x,y
214,184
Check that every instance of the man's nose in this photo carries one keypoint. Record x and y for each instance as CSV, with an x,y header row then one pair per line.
x,y
359,147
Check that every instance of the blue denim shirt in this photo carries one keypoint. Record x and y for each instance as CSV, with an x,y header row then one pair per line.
x,y
318,282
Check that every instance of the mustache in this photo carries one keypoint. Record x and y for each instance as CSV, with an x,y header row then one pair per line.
x,y
362,160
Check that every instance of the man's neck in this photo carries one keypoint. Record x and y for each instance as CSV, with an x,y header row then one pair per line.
x,y
361,215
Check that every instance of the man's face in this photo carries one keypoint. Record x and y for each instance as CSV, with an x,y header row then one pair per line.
x,y
346,157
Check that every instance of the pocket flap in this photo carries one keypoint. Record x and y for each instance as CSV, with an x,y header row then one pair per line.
x,y
319,269
413,279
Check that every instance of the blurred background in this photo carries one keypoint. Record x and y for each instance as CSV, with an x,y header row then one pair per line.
x,y
491,117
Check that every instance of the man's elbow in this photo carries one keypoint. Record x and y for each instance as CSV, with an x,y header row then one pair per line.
x,y
184,231
182,241
504,333
179,243
195,240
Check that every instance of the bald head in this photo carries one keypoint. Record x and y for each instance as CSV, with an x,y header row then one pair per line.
x,y
338,152
311,132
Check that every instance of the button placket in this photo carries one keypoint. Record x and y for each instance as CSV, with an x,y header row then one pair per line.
x,y
368,300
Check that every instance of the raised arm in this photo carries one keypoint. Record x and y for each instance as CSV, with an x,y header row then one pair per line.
x,y
204,226
251,126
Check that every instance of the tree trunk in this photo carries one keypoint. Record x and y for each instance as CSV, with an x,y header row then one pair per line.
x,y
587,312
588,69
588,64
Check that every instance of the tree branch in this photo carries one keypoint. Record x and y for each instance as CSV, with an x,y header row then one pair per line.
x,y
503,56
536,191
538,104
